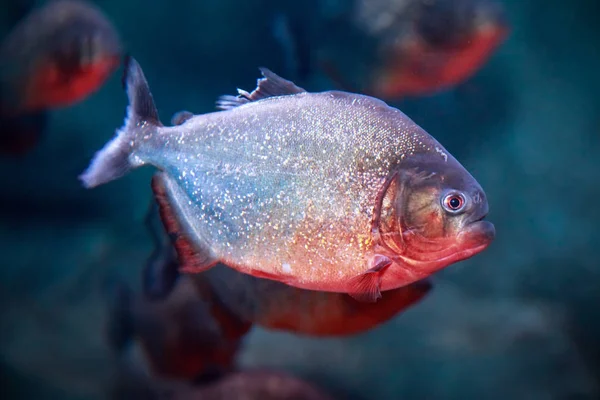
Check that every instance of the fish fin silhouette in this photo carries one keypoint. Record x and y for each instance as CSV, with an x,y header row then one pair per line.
x,y
161,270
193,257
366,286
113,161
271,85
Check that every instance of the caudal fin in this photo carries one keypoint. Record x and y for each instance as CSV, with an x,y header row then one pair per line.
x,y
112,161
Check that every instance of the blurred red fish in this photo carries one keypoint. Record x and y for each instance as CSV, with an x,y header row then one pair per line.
x,y
56,56
188,335
275,305
395,48
450,41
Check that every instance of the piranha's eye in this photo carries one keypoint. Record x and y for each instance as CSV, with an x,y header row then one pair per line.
x,y
454,202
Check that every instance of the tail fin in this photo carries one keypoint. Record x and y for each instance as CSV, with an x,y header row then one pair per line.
x,y
113,161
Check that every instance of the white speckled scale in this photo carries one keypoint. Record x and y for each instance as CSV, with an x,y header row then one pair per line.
x,y
286,183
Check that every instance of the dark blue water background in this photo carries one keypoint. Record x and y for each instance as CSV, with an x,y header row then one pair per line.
x,y
519,321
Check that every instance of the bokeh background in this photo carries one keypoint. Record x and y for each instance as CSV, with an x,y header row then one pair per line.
x,y
518,321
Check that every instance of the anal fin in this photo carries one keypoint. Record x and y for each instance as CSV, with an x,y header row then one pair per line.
x,y
366,286
193,258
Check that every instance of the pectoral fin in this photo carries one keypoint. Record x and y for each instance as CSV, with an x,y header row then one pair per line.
x,y
366,287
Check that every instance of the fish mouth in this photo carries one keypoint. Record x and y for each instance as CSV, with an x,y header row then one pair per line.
x,y
478,230
475,237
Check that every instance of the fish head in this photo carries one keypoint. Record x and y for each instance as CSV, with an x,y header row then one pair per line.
x,y
433,214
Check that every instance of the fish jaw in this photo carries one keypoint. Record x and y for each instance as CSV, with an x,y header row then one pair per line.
x,y
408,268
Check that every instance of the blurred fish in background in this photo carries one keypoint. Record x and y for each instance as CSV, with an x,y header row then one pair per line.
x,y
183,328
58,54
188,335
392,48
277,306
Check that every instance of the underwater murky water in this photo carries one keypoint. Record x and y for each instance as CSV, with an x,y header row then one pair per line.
x,y
516,321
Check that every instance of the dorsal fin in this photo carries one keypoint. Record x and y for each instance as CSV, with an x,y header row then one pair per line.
x,y
271,85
